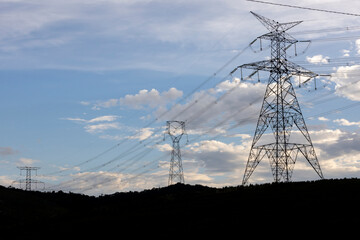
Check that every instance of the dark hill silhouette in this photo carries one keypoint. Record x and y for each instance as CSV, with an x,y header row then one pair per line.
x,y
325,205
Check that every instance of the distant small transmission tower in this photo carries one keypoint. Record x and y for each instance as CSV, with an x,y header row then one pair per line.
x,y
280,111
176,129
28,180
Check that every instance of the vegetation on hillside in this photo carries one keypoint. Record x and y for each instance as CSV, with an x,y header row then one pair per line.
x,y
182,209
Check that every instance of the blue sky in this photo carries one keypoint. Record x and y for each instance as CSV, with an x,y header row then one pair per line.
x,y
82,78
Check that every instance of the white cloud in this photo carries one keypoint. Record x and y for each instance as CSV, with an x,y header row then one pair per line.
x,y
95,183
188,25
347,81
345,122
339,156
98,128
324,119
152,98
318,59
6,181
326,136
337,152
217,156
206,130
164,147
357,44
143,134
144,98
79,120
229,101
109,118
98,124
240,135
346,53
26,162
216,163
106,118
106,104
85,103
104,182
229,84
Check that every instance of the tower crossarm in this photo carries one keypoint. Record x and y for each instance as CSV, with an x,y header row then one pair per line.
x,y
258,66
297,70
282,36
272,25
287,67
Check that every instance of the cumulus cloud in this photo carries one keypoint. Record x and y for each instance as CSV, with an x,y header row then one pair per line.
x,y
152,98
94,183
104,182
318,59
324,119
229,101
347,82
357,44
342,151
337,152
346,79
164,147
326,136
216,163
217,156
144,98
345,122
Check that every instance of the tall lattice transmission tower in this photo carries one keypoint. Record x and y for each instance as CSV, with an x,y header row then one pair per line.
x,y
176,129
280,111
28,179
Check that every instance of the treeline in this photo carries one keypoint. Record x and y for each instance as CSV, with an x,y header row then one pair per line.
x,y
324,205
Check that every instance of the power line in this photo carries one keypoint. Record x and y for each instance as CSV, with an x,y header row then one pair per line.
x,y
194,90
327,30
305,8
156,119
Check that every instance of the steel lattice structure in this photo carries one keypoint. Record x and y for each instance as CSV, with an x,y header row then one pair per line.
x,y
280,111
28,180
176,129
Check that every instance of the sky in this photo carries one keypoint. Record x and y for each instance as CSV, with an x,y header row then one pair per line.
x,y
86,88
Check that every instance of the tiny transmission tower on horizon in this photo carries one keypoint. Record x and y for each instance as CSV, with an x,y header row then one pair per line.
x,y
280,111
28,179
176,129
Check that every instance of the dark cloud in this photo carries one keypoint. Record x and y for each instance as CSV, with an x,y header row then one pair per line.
x,y
6,151
348,143
219,157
